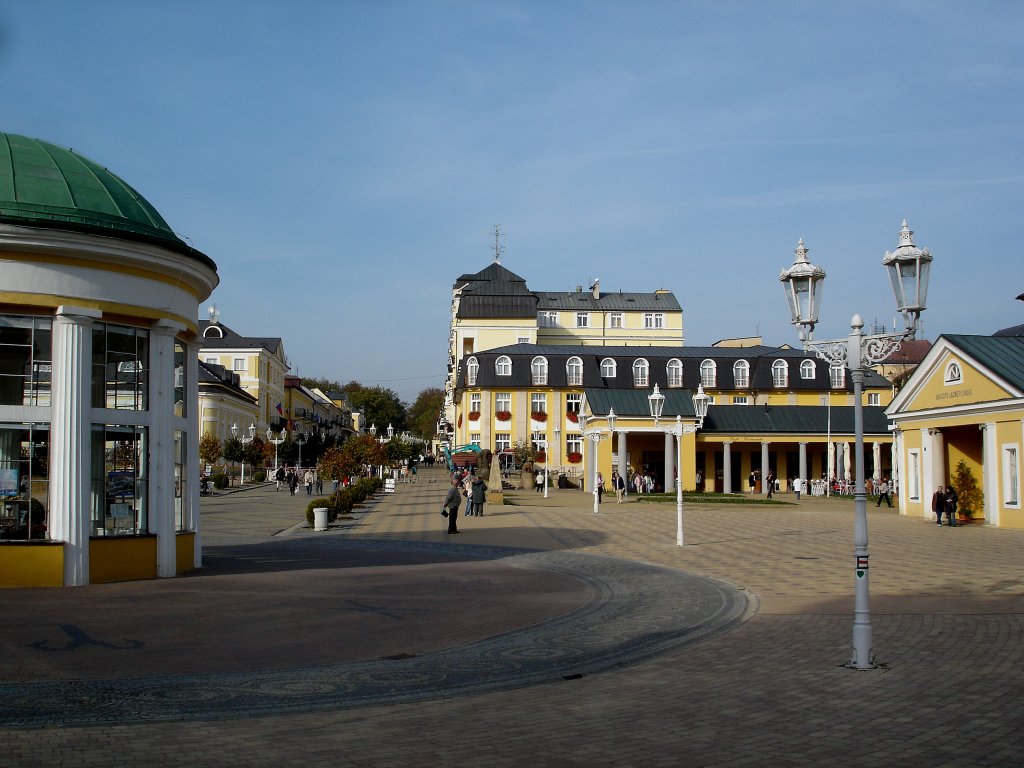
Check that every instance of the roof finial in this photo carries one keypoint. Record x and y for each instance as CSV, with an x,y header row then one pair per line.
x,y
498,248
906,235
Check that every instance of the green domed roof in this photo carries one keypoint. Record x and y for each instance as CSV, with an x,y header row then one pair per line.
x,y
43,185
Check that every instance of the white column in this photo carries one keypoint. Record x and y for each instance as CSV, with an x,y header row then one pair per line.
x,y
195,430
727,467
830,470
897,477
876,462
938,460
623,461
803,466
670,460
989,472
928,480
764,467
161,445
70,444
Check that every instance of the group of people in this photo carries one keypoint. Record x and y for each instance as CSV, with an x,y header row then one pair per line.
x,y
289,477
464,485
945,502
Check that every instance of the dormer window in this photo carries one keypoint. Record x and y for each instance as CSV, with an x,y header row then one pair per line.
x,y
741,374
807,369
574,372
674,372
708,374
472,371
503,366
539,371
780,373
641,369
608,368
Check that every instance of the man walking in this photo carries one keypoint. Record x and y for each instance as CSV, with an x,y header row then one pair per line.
x,y
883,493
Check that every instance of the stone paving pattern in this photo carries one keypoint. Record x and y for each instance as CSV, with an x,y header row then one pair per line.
x,y
947,608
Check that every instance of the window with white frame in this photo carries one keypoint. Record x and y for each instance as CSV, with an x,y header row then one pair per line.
x,y
807,369
608,368
472,371
503,366
1011,476
474,402
238,364
539,442
211,361
573,403
914,474
654,320
741,373
837,376
503,402
574,372
674,372
538,402
582,319
739,400
780,373
474,437
547,319
573,443
615,320
502,441
874,398
522,340
539,371
708,373
641,371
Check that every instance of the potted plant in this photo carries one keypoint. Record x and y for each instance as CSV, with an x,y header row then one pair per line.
x,y
970,498
503,415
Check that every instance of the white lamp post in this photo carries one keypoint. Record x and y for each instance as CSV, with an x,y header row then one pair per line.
x,y
276,441
558,450
656,402
373,430
595,436
909,269
245,440
300,441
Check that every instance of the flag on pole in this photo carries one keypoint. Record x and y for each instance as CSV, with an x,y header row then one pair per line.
x,y
280,411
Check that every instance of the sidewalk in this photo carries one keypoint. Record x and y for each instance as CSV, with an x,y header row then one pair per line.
x,y
947,611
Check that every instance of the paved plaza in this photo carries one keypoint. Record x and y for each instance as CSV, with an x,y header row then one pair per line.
x,y
542,635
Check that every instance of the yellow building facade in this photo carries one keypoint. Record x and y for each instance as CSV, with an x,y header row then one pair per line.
x,y
964,403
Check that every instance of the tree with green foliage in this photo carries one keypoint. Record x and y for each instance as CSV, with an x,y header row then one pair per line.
x,y
379,406
423,414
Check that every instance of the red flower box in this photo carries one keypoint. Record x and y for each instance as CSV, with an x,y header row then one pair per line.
x,y
573,417
474,415
503,415
541,456
574,457
539,416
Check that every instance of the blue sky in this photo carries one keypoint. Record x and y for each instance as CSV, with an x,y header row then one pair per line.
x,y
344,162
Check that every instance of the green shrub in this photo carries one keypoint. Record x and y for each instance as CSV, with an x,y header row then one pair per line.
x,y
260,477
323,501
219,480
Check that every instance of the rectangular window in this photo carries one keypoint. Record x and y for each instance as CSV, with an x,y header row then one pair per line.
x,y
547,319
238,364
474,437
582,319
502,441
573,443
874,398
120,361
474,402
180,408
120,480
615,320
739,400
211,361
24,482
538,402
25,360
503,401
914,474
573,403
654,320
837,376
180,481
1011,476
522,340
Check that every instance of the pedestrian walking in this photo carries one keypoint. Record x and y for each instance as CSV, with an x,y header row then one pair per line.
x,y
478,495
770,479
939,504
319,482
538,481
798,485
307,480
293,480
620,486
600,487
883,493
951,503
752,481
280,477
452,502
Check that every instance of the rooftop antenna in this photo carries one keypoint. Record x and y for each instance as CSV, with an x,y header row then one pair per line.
x,y
498,247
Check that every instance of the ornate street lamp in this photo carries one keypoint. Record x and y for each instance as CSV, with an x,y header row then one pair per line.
x,y
245,440
373,430
391,432
909,268
276,441
595,435
656,402
300,441
558,452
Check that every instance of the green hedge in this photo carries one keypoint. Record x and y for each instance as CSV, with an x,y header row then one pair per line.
x,y
344,500
219,480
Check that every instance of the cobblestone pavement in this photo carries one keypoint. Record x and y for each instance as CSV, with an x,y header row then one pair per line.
x,y
947,611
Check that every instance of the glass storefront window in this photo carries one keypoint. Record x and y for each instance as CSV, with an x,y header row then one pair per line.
x,y
180,481
120,480
24,482
26,345
179,379
120,360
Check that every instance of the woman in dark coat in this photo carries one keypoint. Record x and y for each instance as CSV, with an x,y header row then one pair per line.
x,y
478,495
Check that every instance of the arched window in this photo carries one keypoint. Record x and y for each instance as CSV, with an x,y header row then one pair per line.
x,y
607,368
708,373
807,369
837,375
574,372
503,366
539,371
674,372
741,373
472,371
640,372
780,373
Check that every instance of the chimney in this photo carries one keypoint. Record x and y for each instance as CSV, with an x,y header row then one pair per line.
x,y
596,289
